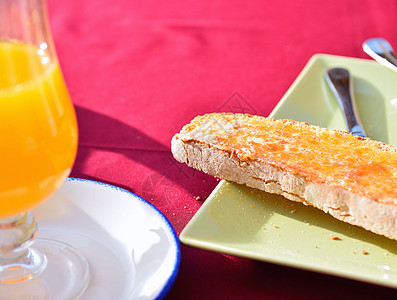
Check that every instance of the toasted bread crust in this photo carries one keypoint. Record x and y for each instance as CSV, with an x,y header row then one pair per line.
x,y
256,151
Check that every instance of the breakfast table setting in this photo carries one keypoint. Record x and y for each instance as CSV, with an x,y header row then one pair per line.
x,y
151,227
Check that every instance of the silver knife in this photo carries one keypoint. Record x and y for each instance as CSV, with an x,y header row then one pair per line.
x,y
381,50
340,82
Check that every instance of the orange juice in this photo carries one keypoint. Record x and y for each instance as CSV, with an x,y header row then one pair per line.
x,y
38,130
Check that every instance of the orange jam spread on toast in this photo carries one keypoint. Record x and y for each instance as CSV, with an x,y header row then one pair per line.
x,y
320,155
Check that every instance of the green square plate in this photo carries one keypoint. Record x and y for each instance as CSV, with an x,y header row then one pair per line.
x,y
246,222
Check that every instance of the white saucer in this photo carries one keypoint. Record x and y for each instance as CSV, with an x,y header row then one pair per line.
x,y
132,249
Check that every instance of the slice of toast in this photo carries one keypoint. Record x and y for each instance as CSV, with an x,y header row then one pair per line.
x,y
352,178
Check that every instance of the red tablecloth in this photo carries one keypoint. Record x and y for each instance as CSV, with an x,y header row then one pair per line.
x,y
139,70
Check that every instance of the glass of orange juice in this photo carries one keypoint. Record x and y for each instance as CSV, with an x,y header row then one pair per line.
x,y
38,136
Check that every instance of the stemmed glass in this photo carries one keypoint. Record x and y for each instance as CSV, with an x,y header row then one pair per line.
x,y
38,136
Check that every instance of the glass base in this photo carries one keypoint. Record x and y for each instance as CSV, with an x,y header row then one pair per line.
x,y
65,275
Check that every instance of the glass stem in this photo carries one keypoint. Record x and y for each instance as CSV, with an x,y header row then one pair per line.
x,y
19,262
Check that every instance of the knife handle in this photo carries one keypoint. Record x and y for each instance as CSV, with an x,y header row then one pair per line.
x,y
340,83
381,50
